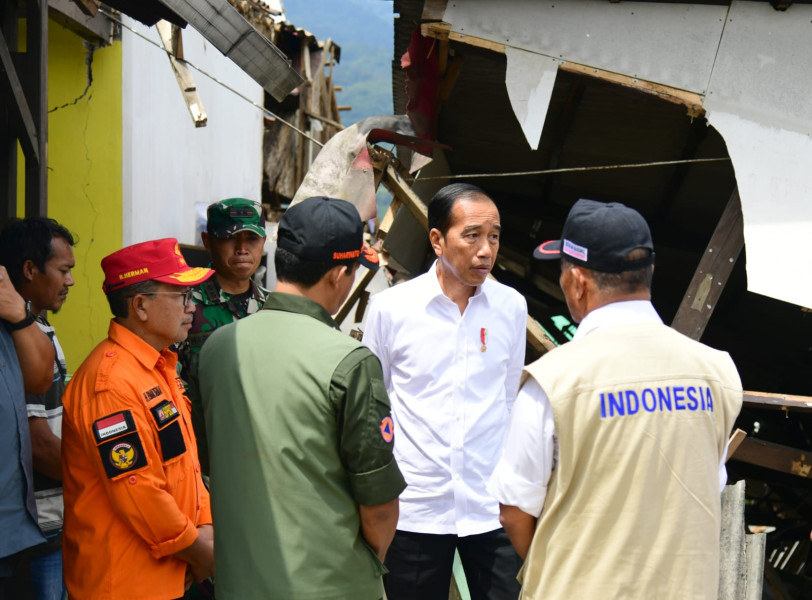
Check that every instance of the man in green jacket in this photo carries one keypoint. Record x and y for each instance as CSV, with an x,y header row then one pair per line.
x,y
304,483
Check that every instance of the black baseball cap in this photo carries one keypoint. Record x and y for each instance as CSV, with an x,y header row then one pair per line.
x,y
599,236
325,230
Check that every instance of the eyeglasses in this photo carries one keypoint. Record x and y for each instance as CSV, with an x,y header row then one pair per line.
x,y
187,295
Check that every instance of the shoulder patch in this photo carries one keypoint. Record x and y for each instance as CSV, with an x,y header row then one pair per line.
x,y
387,429
113,426
122,455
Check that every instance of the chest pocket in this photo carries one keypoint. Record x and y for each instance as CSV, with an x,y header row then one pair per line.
x,y
170,435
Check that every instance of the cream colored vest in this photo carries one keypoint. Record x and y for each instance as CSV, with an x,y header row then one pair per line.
x,y
642,414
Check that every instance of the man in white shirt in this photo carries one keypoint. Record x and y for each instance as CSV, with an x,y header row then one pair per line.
x,y
614,457
451,343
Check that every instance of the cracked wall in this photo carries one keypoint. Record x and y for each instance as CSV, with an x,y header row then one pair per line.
x,y
84,177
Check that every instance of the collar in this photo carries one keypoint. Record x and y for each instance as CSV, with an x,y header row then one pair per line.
x,y
143,352
435,291
300,305
212,293
618,313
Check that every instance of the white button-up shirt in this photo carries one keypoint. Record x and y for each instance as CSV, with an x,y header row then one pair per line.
x,y
531,448
452,379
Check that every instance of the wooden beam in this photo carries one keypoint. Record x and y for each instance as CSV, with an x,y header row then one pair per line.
x,y
734,442
8,138
89,7
779,401
691,100
395,183
96,28
536,337
713,272
330,122
776,457
389,218
36,91
172,42
18,107
360,286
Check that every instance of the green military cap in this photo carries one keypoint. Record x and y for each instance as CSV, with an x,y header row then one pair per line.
x,y
230,216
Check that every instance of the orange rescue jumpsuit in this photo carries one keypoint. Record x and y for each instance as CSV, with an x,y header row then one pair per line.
x,y
131,476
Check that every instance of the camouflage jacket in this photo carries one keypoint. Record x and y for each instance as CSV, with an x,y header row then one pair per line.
x,y
213,309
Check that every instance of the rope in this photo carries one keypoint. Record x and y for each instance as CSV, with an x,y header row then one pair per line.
x,y
574,169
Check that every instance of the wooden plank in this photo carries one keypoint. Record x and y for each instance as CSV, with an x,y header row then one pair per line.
x,y
389,218
172,42
536,337
97,28
782,401
8,139
89,7
360,286
692,101
330,122
395,183
713,272
18,107
734,442
776,457
442,31
35,84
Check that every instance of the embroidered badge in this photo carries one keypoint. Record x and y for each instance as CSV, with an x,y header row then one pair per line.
x,y
123,456
164,412
113,425
179,383
153,393
387,429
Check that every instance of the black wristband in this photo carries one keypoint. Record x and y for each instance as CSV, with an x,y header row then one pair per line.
x,y
25,322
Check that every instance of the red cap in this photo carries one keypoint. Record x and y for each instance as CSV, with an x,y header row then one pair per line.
x,y
157,260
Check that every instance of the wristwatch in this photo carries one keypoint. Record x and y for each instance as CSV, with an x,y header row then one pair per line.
x,y
25,322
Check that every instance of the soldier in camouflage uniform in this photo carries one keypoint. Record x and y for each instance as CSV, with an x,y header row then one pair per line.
x,y
235,239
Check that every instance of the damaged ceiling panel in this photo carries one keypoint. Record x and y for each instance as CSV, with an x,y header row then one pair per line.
x,y
759,101
231,34
673,44
755,59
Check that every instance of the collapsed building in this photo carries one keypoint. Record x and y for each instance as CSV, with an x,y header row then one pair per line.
x,y
697,114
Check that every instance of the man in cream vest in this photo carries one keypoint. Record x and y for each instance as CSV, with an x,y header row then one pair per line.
x,y
610,478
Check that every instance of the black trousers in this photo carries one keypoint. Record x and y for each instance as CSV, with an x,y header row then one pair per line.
x,y
420,566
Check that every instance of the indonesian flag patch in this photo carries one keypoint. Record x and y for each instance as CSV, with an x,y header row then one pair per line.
x,y
113,426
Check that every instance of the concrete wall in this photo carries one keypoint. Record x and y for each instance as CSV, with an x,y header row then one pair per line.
x,y
168,164
84,178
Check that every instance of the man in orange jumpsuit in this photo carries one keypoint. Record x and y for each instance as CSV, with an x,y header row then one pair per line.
x,y
137,516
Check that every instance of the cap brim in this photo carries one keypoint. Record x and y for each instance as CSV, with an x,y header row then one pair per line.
x,y
191,276
549,250
369,258
259,230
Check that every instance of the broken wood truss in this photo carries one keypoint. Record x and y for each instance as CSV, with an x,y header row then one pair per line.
x,y
695,310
